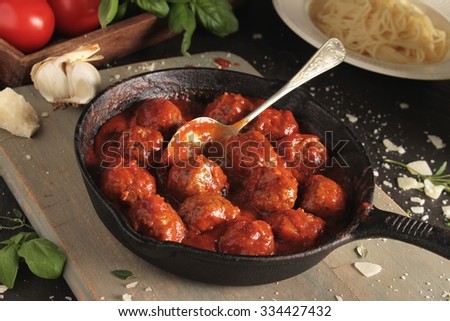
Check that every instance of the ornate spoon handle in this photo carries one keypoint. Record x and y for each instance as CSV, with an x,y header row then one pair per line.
x,y
331,54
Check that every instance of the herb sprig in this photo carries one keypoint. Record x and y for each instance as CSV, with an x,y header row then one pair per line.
x,y
215,15
42,257
438,178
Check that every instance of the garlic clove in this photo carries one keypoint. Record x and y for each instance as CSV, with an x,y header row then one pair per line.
x,y
84,81
51,81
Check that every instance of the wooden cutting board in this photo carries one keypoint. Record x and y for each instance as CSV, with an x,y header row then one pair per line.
x,y
43,175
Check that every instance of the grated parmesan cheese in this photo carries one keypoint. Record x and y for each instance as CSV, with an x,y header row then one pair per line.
x,y
420,167
407,183
351,118
368,269
417,209
127,297
419,200
431,190
391,147
436,141
446,211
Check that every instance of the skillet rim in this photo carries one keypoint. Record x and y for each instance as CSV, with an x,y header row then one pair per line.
x,y
342,237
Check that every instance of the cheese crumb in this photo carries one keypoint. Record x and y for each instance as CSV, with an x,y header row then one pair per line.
x,y
391,147
431,190
404,105
368,269
131,285
436,141
17,116
387,183
446,211
127,297
339,298
3,288
407,183
417,209
351,118
419,200
420,167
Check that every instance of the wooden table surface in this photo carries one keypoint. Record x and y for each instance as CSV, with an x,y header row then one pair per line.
x,y
49,189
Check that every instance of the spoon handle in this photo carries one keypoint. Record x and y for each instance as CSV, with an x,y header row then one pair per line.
x,y
331,54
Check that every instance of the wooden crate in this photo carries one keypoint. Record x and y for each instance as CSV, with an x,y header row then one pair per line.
x,y
116,41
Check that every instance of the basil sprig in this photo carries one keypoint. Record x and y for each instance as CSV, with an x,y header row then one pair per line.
x,y
216,16
43,257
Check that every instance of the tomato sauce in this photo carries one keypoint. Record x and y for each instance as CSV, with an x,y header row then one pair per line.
x,y
259,193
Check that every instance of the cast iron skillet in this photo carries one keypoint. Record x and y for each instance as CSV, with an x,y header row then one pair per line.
x,y
350,167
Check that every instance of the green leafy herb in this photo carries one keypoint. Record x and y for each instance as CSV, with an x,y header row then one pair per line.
x,y
107,11
13,223
361,251
9,265
215,16
438,178
43,257
122,274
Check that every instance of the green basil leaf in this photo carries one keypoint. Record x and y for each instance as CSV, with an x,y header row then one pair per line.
x,y
122,274
217,16
19,238
43,258
441,169
159,8
122,10
107,11
9,264
182,18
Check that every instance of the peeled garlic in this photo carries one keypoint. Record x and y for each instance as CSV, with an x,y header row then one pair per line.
x,y
17,115
69,78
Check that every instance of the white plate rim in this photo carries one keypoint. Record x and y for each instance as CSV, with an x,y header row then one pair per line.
x,y
294,14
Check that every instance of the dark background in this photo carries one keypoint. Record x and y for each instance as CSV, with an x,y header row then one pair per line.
x,y
277,52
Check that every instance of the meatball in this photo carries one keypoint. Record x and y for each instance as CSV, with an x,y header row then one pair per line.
x,y
229,108
141,143
324,197
247,151
271,189
247,238
107,141
199,175
205,211
159,114
274,123
155,218
127,183
304,154
296,226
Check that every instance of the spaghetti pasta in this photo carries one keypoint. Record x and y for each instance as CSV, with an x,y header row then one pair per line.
x,y
396,31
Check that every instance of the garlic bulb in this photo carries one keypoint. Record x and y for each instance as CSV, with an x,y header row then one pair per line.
x,y
70,78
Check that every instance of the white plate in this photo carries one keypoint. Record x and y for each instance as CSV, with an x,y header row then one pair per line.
x,y
295,14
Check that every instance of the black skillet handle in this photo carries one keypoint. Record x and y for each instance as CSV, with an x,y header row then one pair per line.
x,y
385,224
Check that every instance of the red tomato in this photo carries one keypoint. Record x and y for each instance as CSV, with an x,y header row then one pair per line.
x,y
27,25
75,17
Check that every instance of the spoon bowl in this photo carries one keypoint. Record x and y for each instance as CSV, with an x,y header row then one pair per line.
x,y
189,138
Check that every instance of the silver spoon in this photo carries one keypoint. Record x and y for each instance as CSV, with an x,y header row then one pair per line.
x,y
201,130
